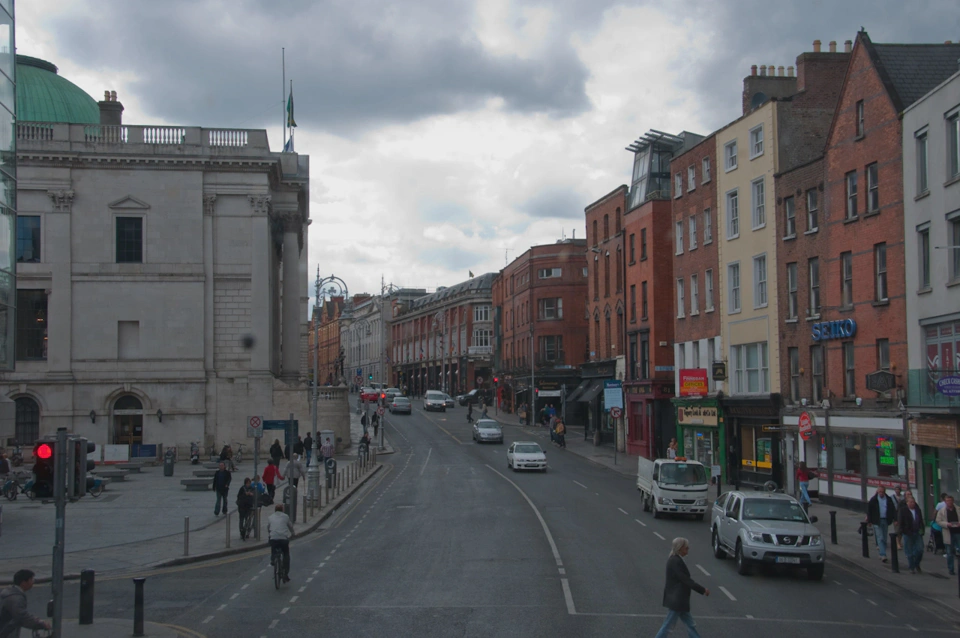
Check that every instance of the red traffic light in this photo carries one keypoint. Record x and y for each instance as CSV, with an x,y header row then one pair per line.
x,y
44,451
496,379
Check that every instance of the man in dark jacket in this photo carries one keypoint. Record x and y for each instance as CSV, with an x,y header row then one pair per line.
x,y
13,607
298,446
881,512
221,485
676,591
910,519
245,502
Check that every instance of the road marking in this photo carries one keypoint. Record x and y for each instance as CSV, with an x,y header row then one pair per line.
x,y
581,484
284,610
892,615
300,591
657,534
912,628
310,580
641,522
273,623
563,572
852,591
245,586
543,523
316,571
222,607
729,595
207,619
322,564
871,602
254,578
234,596
624,511
294,599
837,582
328,557
429,452
568,596
749,616
705,572
263,570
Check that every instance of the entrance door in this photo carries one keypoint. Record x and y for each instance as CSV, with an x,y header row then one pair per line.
x,y
931,481
128,421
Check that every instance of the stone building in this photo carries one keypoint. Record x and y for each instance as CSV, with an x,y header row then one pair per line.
x,y
162,289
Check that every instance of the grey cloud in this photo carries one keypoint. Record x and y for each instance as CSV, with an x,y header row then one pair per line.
x,y
453,258
559,202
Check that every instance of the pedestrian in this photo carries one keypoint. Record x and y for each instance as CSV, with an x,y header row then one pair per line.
x,y
912,528
376,424
308,447
881,512
286,452
936,530
4,466
672,449
295,470
676,591
363,422
270,475
543,417
298,446
897,495
327,450
246,499
561,434
276,452
262,493
226,456
803,480
13,607
948,518
221,485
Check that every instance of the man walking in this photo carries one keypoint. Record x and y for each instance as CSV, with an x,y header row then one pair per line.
x,y
327,450
246,499
948,518
676,591
13,607
561,434
221,485
298,446
308,447
881,511
294,470
911,527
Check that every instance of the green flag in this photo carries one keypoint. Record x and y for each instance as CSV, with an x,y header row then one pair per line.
x,y
290,121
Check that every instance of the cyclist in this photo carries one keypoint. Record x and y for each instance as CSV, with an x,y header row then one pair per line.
x,y
13,606
279,531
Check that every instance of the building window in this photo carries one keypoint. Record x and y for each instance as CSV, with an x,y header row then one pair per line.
x,y
750,372
27,421
609,338
28,238
880,272
129,240
596,236
756,141
789,218
759,212
481,313
678,185
793,354
923,184
873,188
596,338
708,289
606,227
733,215
691,177
551,308
617,223
643,300
706,170
549,273
633,302
849,371
792,284
733,280
953,145
551,349
851,182
883,359
816,373
680,300
760,281
31,325
923,247
678,236
693,232
954,245
695,354
694,295
481,337
813,270
633,248
707,227
730,155
813,208
860,125
586,272
644,358
846,280
606,274
643,244
596,278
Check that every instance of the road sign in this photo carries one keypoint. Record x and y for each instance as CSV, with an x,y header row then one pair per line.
x,y
255,427
613,394
615,412
479,380
806,425
380,410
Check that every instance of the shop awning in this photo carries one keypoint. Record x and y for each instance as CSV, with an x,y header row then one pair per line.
x,y
591,393
573,396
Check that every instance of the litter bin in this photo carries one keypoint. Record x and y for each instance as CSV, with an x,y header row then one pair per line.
x,y
168,460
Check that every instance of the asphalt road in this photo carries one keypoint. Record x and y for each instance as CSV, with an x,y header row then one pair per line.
x,y
448,542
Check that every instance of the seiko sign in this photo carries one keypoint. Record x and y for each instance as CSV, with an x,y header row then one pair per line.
x,y
840,329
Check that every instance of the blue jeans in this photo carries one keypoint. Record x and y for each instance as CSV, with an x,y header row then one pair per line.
x,y
221,498
671,620
804,494
952,549
913,548
880,534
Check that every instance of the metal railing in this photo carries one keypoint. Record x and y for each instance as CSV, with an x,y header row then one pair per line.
x,y
933,388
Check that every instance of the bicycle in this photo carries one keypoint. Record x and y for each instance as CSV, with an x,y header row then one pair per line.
x,y
279,569
246,526
238,455
11,487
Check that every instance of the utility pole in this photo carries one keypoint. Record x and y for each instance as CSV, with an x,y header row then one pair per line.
x,y
60,498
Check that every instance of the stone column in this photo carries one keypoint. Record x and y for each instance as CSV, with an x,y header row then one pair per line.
x,y
209,203
290,302
57,251
261,243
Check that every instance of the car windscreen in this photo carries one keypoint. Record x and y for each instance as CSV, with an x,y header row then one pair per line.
x,y
773,510
434,396
488,425
401,400
682,474
527,449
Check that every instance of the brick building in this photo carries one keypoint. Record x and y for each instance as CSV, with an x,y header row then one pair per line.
x,y
539,304
330,354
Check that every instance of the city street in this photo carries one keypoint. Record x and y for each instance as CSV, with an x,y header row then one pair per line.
x,y
449,542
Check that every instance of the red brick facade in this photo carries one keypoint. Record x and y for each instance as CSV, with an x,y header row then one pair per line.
x,y
605,292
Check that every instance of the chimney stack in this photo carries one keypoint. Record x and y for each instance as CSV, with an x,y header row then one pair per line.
x,y
780,72
790,71
833,46
816,46
763,69
848,46
753,69
111,111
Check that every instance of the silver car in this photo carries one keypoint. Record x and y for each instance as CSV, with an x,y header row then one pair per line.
x,y
487,431
767,528
433,400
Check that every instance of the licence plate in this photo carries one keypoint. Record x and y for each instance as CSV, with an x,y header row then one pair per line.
x,y
788,559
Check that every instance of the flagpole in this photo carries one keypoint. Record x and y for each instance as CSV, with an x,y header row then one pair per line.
x,y
289,113
283,91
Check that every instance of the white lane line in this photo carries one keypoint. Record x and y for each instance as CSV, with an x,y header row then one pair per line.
x,y
294,599
568,596
321,565
749,616
273,623
705,572
624,511
300,591
316,571
912,628
657,534
581,485
222,607
429,452
563,572
245,586
852,591
207,619
543,523
254,578
234,596
729,595
837,582
871,602
892,615
310,580
284,610
641,522
263,570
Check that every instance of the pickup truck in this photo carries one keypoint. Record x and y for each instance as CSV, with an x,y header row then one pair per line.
x,y
673,486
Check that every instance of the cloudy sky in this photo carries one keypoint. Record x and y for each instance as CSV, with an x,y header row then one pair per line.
x,y
448,135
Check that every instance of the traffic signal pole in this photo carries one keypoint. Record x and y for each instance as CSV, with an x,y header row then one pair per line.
x,y
60,498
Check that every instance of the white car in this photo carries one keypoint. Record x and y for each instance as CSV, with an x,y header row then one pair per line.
x,y
526,455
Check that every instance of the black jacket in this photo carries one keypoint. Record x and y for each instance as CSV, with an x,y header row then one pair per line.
x,y
873,510
221,481
276,452
308,443
298,447
676,592
245,497
907,524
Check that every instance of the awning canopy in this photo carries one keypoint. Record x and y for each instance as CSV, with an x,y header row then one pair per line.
x,y
591,393
578,390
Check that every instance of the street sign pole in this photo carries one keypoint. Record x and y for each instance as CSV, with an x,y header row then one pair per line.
x,y
382,424
60,498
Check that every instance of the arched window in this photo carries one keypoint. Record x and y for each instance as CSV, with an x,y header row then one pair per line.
x,y
128,402
596,338
27,421
606,227
595,238
618,220
128,421
606,275
596,278
619,271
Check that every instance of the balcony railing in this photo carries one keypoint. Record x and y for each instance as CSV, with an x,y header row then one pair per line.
x,y
933,388
57,136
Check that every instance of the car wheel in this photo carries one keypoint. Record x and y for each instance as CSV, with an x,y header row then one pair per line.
x,y
743,567
815,572
718,551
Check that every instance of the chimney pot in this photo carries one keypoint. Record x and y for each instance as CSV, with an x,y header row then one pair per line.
x,y
106,96
816,46
113,96
789,71
753,69
847,46
833,46
763,69
780,72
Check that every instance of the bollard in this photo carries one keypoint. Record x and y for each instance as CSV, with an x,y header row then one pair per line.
x,y
228,530
87,577
186,535
326,490
256,522
138,606
304,508
833,527
894,557
864,540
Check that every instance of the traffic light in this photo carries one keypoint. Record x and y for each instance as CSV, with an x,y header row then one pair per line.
x,y
43,468
78,465
496,379
370,377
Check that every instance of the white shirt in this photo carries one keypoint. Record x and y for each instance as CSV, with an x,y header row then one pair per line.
x,y
279,527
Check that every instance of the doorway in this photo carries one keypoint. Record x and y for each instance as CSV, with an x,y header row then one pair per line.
x,y
128,421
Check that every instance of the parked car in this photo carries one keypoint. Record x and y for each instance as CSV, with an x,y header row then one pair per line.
x,y
434,400
474,397
487,431
369,394
766,528
399,405
526,455
448,401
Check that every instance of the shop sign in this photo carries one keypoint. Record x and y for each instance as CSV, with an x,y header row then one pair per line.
x,y
888,451
693,382
871,482
949,386
883,381
696,415
771,428
613,394
663,368
934,433
719,371
839,329
767,465
806,424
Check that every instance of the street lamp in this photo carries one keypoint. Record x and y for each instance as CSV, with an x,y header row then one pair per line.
x,y
440,320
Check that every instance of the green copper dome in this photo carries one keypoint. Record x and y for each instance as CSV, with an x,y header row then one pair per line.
x,y
44,96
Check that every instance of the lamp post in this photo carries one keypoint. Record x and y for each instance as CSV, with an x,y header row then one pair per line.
x,y
313,468
385,289
440,322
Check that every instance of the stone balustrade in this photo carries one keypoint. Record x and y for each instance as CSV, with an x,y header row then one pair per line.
x,y
48,136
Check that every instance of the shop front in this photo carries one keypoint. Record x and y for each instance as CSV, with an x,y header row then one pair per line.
x,y
599,426
756,448
700,433
650,417
937,440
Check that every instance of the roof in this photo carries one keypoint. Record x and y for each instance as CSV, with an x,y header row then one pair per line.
x,y
44,96
483,283
910,71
